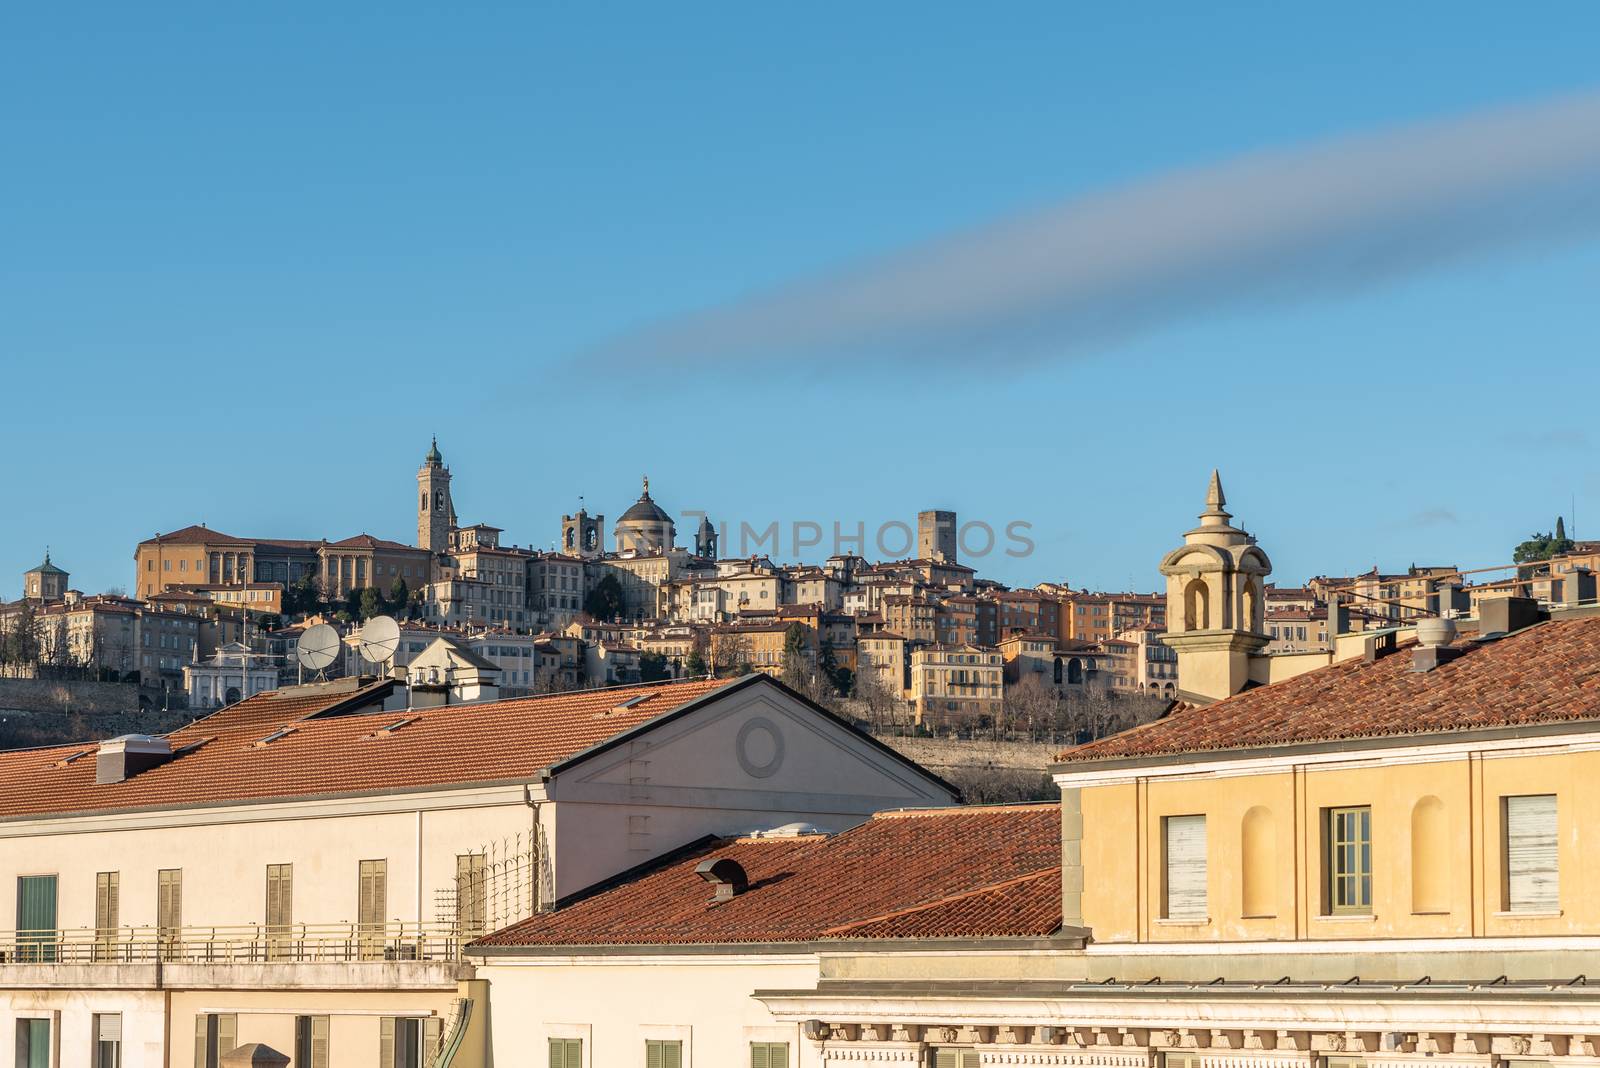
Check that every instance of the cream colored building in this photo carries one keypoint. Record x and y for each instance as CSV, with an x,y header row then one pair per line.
x,y
956,685
311,862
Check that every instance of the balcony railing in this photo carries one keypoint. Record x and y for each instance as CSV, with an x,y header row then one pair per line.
x,y
255,943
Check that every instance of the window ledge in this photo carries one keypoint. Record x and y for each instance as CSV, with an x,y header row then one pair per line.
x,y
1353,917
1430,912
1164,922
1261,916
1527,915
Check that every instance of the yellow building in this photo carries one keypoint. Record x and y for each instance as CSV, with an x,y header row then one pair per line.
x,y
956,685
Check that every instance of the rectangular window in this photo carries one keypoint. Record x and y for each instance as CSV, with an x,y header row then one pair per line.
x,y
663,1053
33,1043
107,886
1184,843
107,1040
408,1041
280,909
472,897
1532,882
214,1035
311,1041
36,918
372,904
1347,853
955,1058
1180,1060
566,1053
769,1055
170,912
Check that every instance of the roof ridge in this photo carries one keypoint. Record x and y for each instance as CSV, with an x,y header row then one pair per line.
x,y
963,810
947,899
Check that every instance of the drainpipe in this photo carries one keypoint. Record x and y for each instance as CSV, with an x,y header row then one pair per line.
x,y
419,872
535,850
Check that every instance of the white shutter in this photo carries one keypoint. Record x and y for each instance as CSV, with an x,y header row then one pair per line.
x,y
1186,867
1532,879
108,1027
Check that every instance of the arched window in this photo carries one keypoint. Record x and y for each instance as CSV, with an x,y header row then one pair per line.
x,y
1197,605
1252,601
1074,671
1258,853
572,537
422,505
1058,671
1430,856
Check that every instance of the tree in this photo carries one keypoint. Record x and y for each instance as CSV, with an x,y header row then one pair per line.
x,y
605,600
695,665
653,667
796,666
371,603
1543,546
399,596
302,596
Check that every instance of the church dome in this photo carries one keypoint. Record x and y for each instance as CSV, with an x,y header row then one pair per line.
x,y
433,456
645,510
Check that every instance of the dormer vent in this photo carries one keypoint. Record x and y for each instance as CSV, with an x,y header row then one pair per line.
x,y
125,756
726,874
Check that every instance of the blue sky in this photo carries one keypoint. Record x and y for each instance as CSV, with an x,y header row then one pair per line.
x,y
251,259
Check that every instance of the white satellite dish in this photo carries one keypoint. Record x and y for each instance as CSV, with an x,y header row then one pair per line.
x,y
318,647
380,637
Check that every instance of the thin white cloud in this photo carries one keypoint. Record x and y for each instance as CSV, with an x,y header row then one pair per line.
x,y
1293,223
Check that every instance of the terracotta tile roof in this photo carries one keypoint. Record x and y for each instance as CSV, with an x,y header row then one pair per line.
x,y
367,541
490,742
196,535
1542,674
934,873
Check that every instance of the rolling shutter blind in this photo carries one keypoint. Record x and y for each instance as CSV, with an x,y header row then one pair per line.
x,y
108,1027
566,1053
1186,867
1532,879
386,1042
36,913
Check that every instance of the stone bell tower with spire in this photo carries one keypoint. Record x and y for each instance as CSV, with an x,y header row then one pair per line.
x,y
436,513
1215,603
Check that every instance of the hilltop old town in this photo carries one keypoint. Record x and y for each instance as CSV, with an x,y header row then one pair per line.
x,y
463,803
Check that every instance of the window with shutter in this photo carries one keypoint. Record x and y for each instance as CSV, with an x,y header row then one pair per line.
x,y
1347,859
386,1041
108,1040
280,909
36,918
1184,842
432,1027
33,1043
663,1053
472,898
566,1053
1180,1060
311,1041
769,1055
372,905
1532,882
106,894
955,1058
169,911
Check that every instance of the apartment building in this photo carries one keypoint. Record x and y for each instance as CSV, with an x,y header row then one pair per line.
x,y
303,868
956,685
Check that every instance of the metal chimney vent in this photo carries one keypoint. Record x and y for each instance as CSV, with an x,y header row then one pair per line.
x,y
726,875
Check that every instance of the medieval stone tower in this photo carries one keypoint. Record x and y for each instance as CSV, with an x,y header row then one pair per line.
x,y
1215,602
583,534
436,513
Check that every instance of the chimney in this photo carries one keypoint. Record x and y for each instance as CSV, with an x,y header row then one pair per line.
x,y
1578,588
726,875
1433,644
123,757
1502,615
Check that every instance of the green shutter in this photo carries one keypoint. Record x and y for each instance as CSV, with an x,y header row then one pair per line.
x,y
386,1042
566,1053
769,1055
36,917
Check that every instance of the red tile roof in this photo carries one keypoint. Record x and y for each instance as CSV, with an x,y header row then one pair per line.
x,y
934,873
337,754
1547,673
196,535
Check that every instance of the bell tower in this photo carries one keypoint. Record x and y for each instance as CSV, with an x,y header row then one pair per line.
x,y
1215,603
436,513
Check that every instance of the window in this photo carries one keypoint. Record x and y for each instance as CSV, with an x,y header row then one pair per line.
x,y
106,893
1184,845
33,1043
36,918
311,1041
280,909
1180,1060
408,1041
372,901
472,897
955,1058
214,1035
769,1055
1532,882
566,1053
107,1040
663,1053
1347,853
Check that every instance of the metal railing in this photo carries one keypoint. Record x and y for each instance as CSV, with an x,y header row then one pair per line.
x,y
250,944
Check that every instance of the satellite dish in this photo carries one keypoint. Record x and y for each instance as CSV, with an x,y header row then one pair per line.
x,y
380,637
318,647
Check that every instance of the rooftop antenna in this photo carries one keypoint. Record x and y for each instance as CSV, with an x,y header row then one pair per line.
x,y
317,648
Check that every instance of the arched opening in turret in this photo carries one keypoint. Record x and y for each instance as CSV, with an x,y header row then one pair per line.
x,y
1252,606
1197,605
